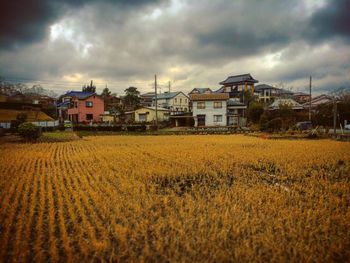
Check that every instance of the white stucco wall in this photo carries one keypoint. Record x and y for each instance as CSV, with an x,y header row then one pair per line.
x,y
209,113
180,101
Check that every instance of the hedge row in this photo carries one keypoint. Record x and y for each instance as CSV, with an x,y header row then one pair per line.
x,y
130,128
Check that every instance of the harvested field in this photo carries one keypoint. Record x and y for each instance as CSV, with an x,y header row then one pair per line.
x,y
175,198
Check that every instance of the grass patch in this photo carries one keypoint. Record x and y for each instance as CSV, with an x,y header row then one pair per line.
x,y
58,136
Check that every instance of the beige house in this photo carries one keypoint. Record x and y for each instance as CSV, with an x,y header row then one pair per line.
x,y
176,102
148,114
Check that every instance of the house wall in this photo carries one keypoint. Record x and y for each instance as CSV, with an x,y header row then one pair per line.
x,y
180,102
209,113
151,115
81,110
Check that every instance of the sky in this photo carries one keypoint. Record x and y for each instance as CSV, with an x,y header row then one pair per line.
x,y
63,44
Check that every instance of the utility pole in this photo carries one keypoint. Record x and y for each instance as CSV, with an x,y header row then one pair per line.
x,y
155,89
334,117
169,86
310,100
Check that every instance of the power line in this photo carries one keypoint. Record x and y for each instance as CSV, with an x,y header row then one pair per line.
x,y
61,82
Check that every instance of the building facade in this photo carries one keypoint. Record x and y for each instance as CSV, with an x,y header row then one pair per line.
x,y
83,106
236,86
148,114
147,99
209,109
176,102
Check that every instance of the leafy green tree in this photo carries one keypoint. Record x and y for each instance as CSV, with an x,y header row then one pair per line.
x,y
247,97
255,111
20,118
29,131
275,125
263,122
89,88
106,92
132,98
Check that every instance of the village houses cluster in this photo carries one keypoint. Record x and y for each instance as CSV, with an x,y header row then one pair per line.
x,y
224,106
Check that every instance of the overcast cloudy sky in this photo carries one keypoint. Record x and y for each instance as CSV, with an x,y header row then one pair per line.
x,y
64,44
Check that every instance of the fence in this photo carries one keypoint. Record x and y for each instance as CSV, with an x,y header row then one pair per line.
x,y
7,125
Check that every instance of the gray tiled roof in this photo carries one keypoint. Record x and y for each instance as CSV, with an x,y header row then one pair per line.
x,y
168,95
263,87
238,79
79,94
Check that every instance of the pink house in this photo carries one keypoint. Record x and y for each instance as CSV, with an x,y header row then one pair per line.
x,y
84,106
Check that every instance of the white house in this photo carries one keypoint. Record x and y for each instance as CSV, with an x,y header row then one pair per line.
x,y
210,109
174,101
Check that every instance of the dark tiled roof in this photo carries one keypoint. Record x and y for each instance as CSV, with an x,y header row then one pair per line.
x,y
168,95
232,102
63,104
148,94
285,92
201,90
261,87
211,96
300,94
79,94
239,79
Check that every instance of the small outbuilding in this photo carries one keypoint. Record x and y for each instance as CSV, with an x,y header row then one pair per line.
x,y
148,114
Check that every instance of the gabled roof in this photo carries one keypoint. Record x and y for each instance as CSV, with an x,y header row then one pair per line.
x,y
211,96
32,116
200,90
285,92
234,102
239,79
63,104
261,87
290,102
148,94
319,100
299,93
169,95
79,94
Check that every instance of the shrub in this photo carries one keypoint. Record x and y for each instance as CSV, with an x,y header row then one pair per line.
x,y
61,127
29,131
2,131
48,129
274,125
255,111
263,122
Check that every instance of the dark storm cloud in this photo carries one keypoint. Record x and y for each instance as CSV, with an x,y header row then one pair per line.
x,y
196,42
25,22
333,20
219,31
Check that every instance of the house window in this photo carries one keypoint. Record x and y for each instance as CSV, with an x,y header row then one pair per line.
x,y
175,100
88,104
217,118
89,117
180,100
217,104
185,100
200,105
75,104
143,117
